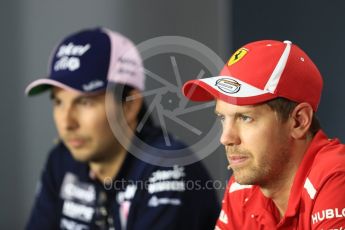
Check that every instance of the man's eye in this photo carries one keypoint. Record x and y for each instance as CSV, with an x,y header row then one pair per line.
x,y
85,101
220,117
246,118
56,102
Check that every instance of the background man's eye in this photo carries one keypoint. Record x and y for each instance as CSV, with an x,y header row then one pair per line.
x,y
85,101
56,102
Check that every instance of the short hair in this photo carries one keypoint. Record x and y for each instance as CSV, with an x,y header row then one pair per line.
x,y
121,92
284,108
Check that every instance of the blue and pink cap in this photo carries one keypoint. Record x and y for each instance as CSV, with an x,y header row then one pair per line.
x,y
88,60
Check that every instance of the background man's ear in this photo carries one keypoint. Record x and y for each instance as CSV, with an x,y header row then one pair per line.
x,y
301,117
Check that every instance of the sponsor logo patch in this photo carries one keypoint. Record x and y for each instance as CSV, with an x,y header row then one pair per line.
x,y
167,180
238,55
77,211
228,85
164,186
73,189
66,224
126,195
93,85
155,201
68,56
176,173
327,214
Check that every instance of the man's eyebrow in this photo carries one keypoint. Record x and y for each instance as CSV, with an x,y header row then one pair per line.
x,y
81,97
91,97
238,113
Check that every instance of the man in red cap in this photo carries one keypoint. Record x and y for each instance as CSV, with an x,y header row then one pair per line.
x,y
287,174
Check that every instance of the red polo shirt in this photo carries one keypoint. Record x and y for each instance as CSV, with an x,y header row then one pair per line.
x,y
317,198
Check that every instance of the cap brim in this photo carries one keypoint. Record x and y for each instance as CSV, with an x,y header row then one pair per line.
x,y
42,85
227,89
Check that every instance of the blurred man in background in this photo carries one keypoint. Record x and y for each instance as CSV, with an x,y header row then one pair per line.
x,y
90,180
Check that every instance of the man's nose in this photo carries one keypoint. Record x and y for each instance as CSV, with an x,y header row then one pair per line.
x,y
230,134
70,119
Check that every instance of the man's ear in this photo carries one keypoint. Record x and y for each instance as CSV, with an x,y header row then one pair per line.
x,y
132,106
301,118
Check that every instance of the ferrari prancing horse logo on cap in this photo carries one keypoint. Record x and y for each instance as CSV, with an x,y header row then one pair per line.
x,y
238,55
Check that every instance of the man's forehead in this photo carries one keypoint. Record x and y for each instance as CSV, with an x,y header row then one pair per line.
x,y
55,91
222,106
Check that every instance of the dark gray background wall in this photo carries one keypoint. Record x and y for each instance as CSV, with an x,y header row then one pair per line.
x,y
318,28
31,28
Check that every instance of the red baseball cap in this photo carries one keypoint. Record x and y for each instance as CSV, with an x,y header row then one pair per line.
x,y
261,71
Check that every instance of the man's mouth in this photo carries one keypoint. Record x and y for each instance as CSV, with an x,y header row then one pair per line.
x,y
237,160
76,142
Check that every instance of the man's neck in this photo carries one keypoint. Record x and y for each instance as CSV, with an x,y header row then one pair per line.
x,y
279,193
108,169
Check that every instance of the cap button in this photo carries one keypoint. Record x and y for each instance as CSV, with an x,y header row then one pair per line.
x,y
287,42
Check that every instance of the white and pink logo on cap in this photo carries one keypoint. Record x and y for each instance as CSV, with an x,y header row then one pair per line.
x,y
68,56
